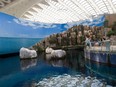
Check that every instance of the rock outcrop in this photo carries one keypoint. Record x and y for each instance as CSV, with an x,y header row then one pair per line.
x,y
74,36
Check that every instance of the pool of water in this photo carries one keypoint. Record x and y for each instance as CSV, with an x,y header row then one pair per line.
x,y
24,73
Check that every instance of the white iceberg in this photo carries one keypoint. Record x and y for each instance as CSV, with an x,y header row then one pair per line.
x,y
58,53
26,53
48,50
54,53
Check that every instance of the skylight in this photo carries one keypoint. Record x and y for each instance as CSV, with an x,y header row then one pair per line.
x,y
63,11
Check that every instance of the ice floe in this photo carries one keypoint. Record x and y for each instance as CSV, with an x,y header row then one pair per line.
x,y
26,53
48,50
54,53
58,53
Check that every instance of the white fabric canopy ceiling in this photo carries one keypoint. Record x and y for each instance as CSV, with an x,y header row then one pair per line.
x,y
63,11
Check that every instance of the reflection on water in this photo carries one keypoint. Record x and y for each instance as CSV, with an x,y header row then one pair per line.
x,y
101,70
28,63
73,60
23,73
9,66
71,81
56,63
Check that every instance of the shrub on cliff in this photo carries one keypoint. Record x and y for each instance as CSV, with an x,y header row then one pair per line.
x,y
111,32
52,40
82,38
38,49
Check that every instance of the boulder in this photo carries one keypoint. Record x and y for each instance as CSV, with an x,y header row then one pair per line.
x,y
26,53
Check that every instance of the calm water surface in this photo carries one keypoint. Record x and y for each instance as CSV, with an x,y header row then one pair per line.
x,y
23,73
13,45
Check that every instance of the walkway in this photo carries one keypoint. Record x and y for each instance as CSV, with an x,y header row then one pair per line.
x,y
101,48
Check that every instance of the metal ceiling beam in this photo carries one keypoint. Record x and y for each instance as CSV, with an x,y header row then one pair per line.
x,y
50,13
106,6
95,6
81,7
92,6
71,10
112,6
67,10
55,7
37,17
68,7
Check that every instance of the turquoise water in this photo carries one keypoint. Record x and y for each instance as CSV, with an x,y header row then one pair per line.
x,y
23,73
11,45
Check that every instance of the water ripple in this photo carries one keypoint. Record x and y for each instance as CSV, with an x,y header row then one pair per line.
x,y
71,81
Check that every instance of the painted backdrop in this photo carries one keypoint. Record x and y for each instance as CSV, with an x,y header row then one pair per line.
x,y
14,27
16,33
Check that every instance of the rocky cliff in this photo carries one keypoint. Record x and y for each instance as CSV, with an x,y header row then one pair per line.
x,y
74,36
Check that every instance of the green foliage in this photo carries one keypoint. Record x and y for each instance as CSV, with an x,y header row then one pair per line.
x,y
64,41
111,32
106,23
82,38
38,48
98,36
53,40
114,27
114,24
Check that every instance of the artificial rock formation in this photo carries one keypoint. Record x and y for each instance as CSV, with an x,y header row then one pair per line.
x,y
72,37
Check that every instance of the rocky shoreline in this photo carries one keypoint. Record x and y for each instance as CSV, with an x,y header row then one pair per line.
x,y
73,38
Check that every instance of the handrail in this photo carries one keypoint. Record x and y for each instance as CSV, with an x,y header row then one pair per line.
x,y
106,45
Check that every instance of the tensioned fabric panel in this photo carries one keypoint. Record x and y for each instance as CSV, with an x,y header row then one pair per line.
x,y
64,11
